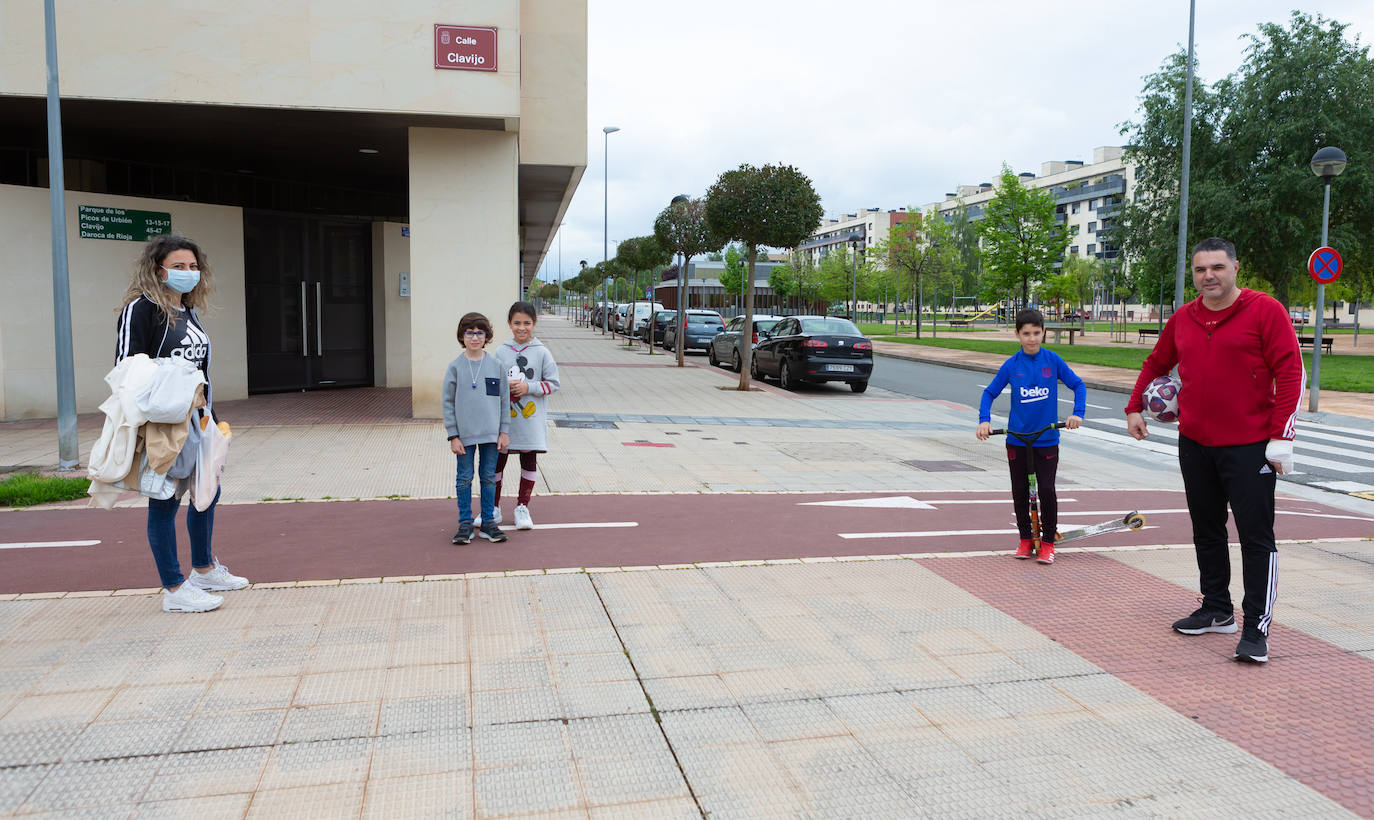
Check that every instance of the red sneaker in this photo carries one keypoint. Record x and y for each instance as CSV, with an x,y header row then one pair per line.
x,y
1023,549
1046,555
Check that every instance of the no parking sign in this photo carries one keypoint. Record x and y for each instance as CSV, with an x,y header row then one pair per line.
x,y
1324,265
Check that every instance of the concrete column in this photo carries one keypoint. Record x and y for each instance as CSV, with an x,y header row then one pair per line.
x,y
464,245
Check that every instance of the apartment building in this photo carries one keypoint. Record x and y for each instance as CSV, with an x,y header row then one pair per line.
x,y
865,228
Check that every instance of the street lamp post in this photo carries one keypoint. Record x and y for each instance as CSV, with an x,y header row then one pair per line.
x,y
681,318
606,132
854,239
1327,163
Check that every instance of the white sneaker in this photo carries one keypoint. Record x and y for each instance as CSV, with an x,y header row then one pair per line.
x,y
522,518
477,519
218,579
189,598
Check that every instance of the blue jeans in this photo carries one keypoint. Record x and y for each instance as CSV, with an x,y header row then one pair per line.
x,y
486,475
162,537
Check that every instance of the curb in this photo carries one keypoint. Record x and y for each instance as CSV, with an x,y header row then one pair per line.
x,y
984,368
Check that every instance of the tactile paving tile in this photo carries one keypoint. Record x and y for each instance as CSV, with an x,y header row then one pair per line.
x,y
243,694
680,809
627,778
308,803
230,730
708,727
581,641
954,705
415,753
514,744
340,687
837,775
594,668
427,713
329,722
532,788
200,774
793,720
880,712
317,763
56,709
227,806
17,782
446,794
515,705
126,738
583,700
41,744
86,784
694,692
143,702
510,674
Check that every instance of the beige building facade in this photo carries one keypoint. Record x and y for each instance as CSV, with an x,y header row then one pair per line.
x,y
360,175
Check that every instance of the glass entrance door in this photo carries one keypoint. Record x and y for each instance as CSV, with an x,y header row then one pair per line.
x,y
308,283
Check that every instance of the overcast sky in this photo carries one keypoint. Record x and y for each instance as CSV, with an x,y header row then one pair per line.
x,y
884,104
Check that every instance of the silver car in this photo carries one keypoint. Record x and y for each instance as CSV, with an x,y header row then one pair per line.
x,y
726,346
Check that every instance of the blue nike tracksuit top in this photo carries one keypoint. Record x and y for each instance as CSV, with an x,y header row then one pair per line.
x,y
1034,384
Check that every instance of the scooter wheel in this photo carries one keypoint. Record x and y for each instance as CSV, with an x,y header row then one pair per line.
x,y
1135,521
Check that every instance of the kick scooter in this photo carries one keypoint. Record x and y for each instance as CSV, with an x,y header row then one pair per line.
x,y
1130,521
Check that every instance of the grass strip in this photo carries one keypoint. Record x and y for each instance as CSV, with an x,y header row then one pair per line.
x,y
1348,374
29,489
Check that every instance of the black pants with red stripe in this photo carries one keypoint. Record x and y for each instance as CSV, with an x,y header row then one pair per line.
x,y
1046,466
1238,476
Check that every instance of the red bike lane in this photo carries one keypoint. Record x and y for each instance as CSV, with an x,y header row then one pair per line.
x,y
362,539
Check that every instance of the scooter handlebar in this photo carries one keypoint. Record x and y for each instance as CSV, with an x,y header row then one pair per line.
x,y
1034,434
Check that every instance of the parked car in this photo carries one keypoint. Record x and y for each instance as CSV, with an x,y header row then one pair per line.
x,y
655,326
702,327
618,319
726,347
814,349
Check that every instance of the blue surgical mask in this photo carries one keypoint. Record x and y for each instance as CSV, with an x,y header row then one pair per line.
x,y
182,281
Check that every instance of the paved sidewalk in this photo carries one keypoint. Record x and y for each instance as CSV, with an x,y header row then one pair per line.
x,y
899,684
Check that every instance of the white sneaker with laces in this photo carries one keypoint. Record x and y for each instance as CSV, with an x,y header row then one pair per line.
x,y
477,519
218,579
189,598
522,518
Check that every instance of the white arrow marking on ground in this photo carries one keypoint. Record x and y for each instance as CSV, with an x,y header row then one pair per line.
x,y
896,502
25,545
588,525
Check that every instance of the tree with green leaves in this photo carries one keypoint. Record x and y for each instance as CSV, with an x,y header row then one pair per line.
x,y
1021,239
1058,290
683,228
1301,87
922,249
732,275
1086,272
772,206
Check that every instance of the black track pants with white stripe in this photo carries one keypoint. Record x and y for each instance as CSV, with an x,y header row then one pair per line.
x,y
1213,478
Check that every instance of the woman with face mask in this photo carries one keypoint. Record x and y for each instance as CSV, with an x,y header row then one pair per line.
x,y
171,281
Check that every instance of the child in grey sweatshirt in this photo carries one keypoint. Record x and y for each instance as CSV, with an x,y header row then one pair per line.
x,y
476,394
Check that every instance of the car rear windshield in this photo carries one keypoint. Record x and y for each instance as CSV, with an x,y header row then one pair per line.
x,y
702,320
830,325
766,324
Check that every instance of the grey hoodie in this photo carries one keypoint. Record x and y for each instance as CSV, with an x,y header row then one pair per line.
x,y
476,414
529,422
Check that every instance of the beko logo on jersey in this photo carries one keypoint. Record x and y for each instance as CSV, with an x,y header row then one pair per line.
x,y
1034,393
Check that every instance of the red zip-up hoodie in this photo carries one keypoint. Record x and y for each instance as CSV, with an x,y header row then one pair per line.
x,y
1242,380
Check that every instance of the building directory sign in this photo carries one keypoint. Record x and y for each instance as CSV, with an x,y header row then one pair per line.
x,y
467,48
99,222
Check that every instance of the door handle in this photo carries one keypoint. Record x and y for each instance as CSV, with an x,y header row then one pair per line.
x,y
319,332
305,338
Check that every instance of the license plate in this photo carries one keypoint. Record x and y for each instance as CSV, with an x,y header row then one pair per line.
x,y
840,368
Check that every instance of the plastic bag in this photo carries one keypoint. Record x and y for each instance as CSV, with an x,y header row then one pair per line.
x,y
167,395
213,452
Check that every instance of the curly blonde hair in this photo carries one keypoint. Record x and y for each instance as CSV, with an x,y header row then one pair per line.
x,y
147,276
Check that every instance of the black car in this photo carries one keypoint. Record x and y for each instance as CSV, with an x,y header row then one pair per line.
x,y
702,327
661,319
814,349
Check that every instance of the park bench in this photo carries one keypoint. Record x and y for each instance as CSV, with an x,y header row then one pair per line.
x,y
1058,329
1311,342
1147,331
959,322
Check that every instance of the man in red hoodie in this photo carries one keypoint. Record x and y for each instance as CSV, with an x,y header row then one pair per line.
x,y
1242,376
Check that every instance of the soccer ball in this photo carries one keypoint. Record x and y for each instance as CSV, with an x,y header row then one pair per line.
x,y
1161,399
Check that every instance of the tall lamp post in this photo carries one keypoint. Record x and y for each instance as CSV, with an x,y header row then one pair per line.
x,y
1327,163
854,239
606,132
681,318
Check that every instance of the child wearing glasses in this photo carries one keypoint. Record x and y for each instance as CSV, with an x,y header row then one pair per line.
x,y
475,395
533,377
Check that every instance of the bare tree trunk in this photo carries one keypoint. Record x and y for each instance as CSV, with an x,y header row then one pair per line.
x,y
746,331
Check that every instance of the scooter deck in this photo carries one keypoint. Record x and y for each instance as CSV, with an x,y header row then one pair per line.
x,y
1130,521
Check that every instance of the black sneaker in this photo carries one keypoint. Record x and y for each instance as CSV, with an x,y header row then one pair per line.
x,y
464,534
1253,648
1206,620
492,533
